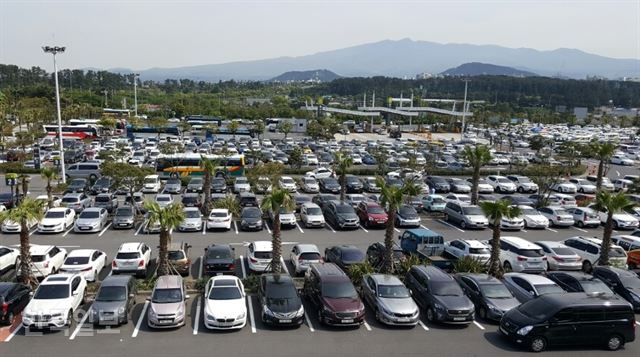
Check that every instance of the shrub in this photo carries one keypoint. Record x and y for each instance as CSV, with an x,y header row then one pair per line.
x,y
469,265
251,283
401,269
357,271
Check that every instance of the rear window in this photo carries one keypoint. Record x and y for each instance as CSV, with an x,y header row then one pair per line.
x,y
89,214
262,255
479,250
69,199
531,253
37,258
133,255
310,256
352,256
76,260
176,255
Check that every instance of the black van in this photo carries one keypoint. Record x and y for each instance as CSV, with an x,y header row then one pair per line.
x,y
570,319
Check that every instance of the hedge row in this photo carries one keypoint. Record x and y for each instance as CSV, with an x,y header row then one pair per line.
x,y
16,167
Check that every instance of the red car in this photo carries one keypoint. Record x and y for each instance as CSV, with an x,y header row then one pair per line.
x,y
371,214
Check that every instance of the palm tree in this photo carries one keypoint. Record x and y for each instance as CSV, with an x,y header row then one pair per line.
x,y
601,152
29,210
230,203
49,174
495,212
612,204
273,202
411,188
208,167
477,156
168,218
233,128
391,198
341,163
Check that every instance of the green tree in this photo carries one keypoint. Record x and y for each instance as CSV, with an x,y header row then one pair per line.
x,y
477,156
538,142
233,128
258,127
495,212
392,198
28,211
601,152
273,202
230,203
49,174
208,167
168,218
125,176
285,127
612,204
295,157
341,163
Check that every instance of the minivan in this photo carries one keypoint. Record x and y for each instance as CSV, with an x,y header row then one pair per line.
x,y
625,283
89,171
520,255
570,319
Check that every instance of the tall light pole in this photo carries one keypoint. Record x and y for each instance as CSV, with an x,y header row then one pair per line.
x,y
55,50
135,93
464,108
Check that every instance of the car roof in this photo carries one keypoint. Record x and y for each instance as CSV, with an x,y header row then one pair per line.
x,y
308,248
329,271
57,278
551,244
434,273
116,280
481,278
559,301
578,275
531,278
474,243
168,282
73,194
80,252
385,279
92,209
617,271
129,247
277,278
37,249
520,242
262,245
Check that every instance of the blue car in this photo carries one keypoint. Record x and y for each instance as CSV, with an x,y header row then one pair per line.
x,y
369,160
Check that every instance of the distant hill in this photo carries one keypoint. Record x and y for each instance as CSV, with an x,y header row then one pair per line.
x,y
486,69
316,75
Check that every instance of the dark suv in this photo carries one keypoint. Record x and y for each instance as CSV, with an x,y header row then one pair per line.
x,y
623,282
439,184
438,293
344,255
341,215
353,184
281,305
330,290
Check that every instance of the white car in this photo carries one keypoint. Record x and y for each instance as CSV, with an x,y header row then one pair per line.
x,y
589,248
132,257
584,217
86,262
501,184
225,307
164,200
557,216
460,248
532,218
151,184
192,220
310,160
55,301
512,224
92,219
9,226
311,215
564,200
310,185
559,256
219,218
259,255
320,172
621,220
621,160
564,187
523,184
46,259
287,183
9,258
458,197
303,255
583,185
241,184
57,220
483,186
287,218
55,200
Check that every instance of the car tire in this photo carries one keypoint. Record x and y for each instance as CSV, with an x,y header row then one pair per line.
x,y
586,266
614,342
69,319
615,225
446,217
520,189
320,319
463,225
537,344
507,267
482,312
377,314
431,315
580,224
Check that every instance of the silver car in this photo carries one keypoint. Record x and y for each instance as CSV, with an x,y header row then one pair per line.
x,y
390,299
92,219
167,306
124,217
173,186
114,300
192,220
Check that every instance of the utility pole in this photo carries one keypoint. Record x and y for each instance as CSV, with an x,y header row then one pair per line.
x,y
135,93
105,92
54,51
464,108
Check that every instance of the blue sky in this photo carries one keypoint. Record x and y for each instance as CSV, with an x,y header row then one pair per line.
x,y
140,34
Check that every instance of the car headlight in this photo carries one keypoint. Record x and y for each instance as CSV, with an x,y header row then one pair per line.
x,y
438,306
493,308
210,317
385,310
56,315
243,222
241,316
635,297
121,310
152,313
525,330
300,311
266,310
327,310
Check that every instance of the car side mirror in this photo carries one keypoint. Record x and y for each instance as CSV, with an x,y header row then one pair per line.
x,y
187,297
131,296
148,298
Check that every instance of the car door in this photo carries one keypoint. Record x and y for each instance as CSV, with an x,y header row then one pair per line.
x,y
97,260
294,257
5,258
55,258
369,291
562,329
590,325
472,290
522,290
76,293
68,217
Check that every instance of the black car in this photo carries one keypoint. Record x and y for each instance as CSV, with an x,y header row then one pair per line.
x,y
102,185
376,255
281,304
218,184
341,215
439,294
247,199
9,200
623,282
322,199
353,184
13,298
519,200
219,259
329,185
489,295
439,184
344,255
194,185
251,219
191,200
570,319
577,282
78,185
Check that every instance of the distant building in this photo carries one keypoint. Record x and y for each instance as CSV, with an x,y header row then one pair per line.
x,y
424,75
580,113
299,125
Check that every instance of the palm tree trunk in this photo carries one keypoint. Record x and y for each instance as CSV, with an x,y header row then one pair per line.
x,y
387,266
474,185
49,196
276,243
606,240
24,270
495,268
342,186
600,174
206,207
163,254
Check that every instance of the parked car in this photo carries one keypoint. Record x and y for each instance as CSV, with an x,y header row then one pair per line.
x,y
191,200
467,216
288,183
341,215
124,217
167,307
92,219
371,214
407,216
370,185
376,255
102,185
564,187
559,256
631,244
173,186
532,218
8,258
57,220
132,257
624,283
460,248
251,219
575,282
523,184
108,201
584,217
528,286
76,201
279,301
489,295
14,297
114,301
195,185
241,184
54,302
390,300
483,186
192,220
311,215
219,259
151,184
344,255
78,185
263,185
302,256
520,255
557,216
589,250
310,185
322,199
621,220
329,185
438,184
433,203
224,303
459,186
583,185
259,256
501,184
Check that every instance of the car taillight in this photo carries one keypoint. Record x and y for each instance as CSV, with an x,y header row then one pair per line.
x,y
141,263
521,258
86,269
585,215
253,260
558,218
558,258
46,264
232,266
5,308
113,264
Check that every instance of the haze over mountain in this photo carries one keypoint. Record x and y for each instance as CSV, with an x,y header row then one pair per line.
x,y
480,69
406,58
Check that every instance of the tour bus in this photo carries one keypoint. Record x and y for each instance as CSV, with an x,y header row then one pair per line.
x,y
149,132
188,164
88,131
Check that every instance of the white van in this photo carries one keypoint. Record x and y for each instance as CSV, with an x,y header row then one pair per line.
x,y
152,184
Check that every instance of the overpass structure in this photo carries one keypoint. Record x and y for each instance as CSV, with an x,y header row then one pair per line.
x,y
324,108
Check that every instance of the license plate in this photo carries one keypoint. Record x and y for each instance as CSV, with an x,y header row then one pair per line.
x,y
286,321
347,321
85,228
122,224
165,321
403,319
458,319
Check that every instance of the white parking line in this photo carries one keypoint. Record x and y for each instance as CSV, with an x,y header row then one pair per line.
x,y
422,225
196,322
478,324
140,228
204,228
398,231
67,232
284,265
328,225
552,230
306,317
33,231
618,173
424,327
201,267
144,312
244,273
20,327
364,229
80,324
450,225
300,229
104,230
253,322
366,325
580,229
267,227
524,231
638,323
235,225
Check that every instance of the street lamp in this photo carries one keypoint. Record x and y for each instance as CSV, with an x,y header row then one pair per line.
x,y
55,50
135,93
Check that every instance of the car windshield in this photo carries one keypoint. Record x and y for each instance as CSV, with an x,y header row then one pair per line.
x,y
225,293
595,286
407,211
284,210
344,209
192,214
263,255
616,252
523,180
352,255
503,180
446,288
548,289
472,211
339,290
54,214
218,254
393,291
54,291
173,182
537,309
198,181
375,210
112,293
276,292
219,214
530,211
175,255
251,213
630,282
438,200
561,212
150,180
76,260
166,296
531,253
287,180
124,212
103,198
69,199
495,291
314,211
163,198
89,214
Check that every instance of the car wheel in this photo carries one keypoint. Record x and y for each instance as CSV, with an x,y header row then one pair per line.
x,y
507,267
431,315
526,225
463,225
538,344
10,317
580,224
446,217
581,190
615,224
520,189
586,266
320,319
378,317
482,312
615,342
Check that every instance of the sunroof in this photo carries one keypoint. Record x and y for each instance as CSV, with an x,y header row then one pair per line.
x,y
57,278
224,282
